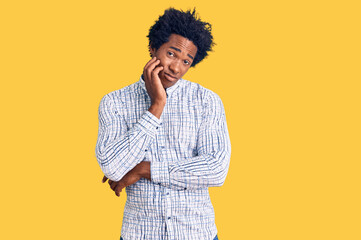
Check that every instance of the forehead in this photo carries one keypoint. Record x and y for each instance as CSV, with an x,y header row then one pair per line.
x,y
182,43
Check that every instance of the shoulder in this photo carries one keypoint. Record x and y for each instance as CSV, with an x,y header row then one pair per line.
x,y
205,95
120,96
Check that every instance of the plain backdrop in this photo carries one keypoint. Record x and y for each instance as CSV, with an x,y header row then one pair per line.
x,y
288,73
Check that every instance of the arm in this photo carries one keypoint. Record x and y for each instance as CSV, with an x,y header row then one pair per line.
x,y
210,167
119,150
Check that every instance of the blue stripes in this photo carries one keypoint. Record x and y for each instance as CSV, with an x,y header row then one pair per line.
x,y
189,150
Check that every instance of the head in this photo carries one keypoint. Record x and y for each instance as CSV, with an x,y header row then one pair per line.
x,y
179,40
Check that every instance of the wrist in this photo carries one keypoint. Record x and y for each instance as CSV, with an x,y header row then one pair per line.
x,y
144,170
158,102
156,109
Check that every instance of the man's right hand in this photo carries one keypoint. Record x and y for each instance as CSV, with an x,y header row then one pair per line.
x,y
154,86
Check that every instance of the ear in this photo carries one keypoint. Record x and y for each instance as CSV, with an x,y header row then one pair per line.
x,y
152,50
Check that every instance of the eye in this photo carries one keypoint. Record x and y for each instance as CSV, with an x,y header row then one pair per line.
x,y
171,54
186,62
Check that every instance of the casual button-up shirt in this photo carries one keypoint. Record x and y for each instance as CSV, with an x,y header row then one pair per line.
x,y
188,149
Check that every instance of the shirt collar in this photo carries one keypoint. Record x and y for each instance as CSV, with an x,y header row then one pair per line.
x,y
168,91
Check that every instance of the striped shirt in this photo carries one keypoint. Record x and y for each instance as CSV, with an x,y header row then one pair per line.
x,y
188,148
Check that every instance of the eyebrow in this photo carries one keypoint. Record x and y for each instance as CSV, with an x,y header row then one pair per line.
x,y
178,50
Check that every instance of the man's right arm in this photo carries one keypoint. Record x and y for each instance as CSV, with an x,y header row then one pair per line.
x,y
119,150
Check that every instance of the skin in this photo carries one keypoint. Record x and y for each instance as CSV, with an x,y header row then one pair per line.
x,y
169,63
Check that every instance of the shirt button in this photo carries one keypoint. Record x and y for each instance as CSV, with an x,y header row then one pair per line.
x,y
167,193
156,128
146,150
185,188
168,217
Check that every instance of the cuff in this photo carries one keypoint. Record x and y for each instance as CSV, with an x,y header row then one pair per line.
x,y
159,173
150,123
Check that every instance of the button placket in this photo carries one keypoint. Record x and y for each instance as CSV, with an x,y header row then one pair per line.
x,y
166,192
161,143
168,214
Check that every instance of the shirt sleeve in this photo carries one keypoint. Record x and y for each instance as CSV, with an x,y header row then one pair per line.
x,y
210,167
119,149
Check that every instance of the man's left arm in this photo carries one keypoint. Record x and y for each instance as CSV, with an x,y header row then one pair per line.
x,y
210,167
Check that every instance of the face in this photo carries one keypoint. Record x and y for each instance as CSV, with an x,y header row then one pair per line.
x,y
176,57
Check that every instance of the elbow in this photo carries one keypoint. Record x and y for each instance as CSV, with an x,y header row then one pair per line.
x,y
100,155
222,171
221,176
106,166
110,174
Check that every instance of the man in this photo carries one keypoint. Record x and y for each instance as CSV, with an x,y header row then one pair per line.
x,y
165,139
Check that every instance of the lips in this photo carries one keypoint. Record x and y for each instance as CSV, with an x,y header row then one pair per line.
x,y
170,75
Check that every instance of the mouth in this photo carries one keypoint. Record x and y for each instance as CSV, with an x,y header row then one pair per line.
x,y
170,76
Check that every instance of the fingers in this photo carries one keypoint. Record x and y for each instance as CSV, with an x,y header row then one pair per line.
x,y
156,71
113,185
145,70
149,62
104,179
149,71
117,190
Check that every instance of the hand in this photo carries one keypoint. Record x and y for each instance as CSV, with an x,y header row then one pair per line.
x,y
133,176
153,83
117,186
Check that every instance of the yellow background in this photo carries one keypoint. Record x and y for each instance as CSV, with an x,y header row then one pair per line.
x,y
288,73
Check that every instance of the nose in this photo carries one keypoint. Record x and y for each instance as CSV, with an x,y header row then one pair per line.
x,y
174,66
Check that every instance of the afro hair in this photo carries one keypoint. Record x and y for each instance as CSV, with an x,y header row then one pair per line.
x,y
185,24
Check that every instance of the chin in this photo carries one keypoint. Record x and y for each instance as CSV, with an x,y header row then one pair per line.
x,y
167,83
